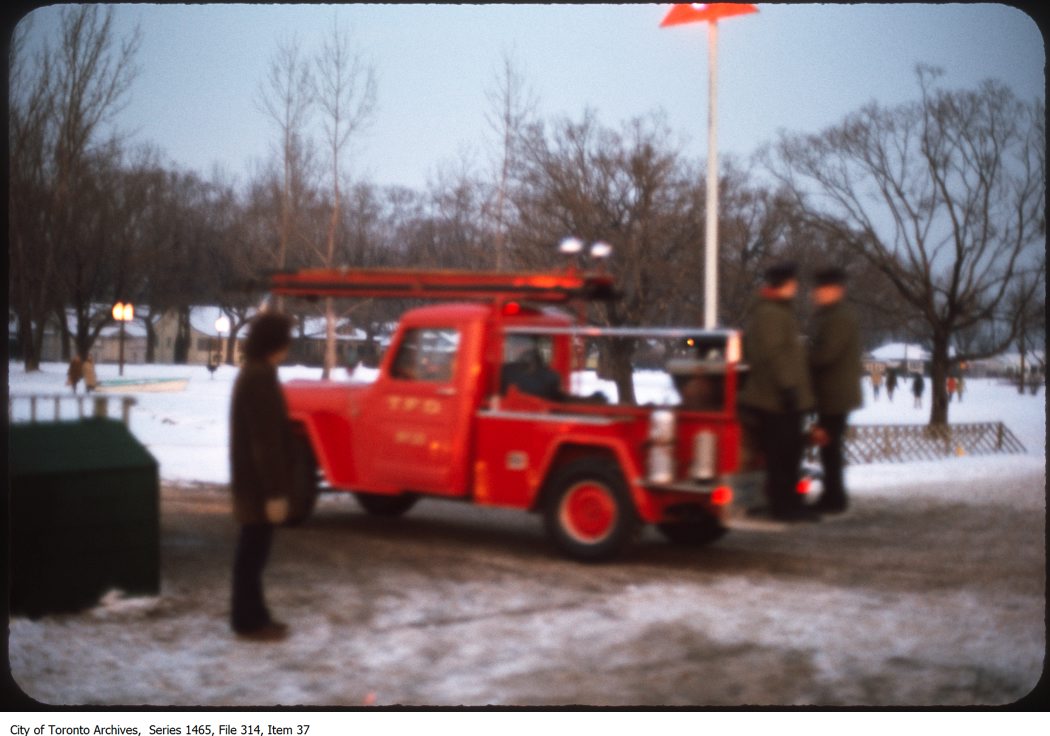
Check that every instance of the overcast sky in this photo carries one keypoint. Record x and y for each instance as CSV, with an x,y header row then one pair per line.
x,y
792,67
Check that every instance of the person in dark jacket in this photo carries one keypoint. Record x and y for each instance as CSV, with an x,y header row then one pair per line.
x,y
835,370
918,385
777,392
528,371
261,471
891,384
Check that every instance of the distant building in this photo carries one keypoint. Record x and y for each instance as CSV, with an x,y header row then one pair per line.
x,y
204,339
106,348
351,343
1008,365
205,342
901,357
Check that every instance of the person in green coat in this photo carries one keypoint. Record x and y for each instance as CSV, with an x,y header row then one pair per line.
x,y
776,393
836,369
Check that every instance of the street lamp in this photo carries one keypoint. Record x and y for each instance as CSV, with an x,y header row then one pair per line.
x,y
123,313
222,326
709,13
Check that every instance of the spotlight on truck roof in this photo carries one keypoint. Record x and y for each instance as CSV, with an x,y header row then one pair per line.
x,y
570,246
601,249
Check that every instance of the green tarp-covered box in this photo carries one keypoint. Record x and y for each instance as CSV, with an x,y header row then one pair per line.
x,y
84,515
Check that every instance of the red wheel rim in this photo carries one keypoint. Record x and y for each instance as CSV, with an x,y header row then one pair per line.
x,y
588,512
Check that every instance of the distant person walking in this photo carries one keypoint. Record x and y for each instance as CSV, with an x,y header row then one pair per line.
x,y
959,389
777,391
918,385
952,385
261,471
75,372
891,384
835,371
876,383
90,379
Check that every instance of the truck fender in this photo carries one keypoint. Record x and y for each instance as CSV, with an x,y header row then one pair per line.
x,y
569,449
330,436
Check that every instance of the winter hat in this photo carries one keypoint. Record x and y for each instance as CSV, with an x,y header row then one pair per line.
x,y
830,276
269,332
781,273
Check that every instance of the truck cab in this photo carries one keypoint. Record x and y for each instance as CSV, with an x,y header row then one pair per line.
x,y
496,402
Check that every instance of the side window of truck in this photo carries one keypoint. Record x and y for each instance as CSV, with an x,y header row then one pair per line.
x,y
426,354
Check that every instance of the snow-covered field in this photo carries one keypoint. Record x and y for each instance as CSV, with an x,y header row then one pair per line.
x,y
187,431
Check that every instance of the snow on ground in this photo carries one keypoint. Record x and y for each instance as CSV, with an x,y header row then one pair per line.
x,y
187,431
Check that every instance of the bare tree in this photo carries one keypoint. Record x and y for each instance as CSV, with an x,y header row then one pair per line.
x,y
190,246
1031,331
58,109
381,227
346,93
944,196
512,105
626,188
31,256
287,98
232,254
92,82
756,227
759,226
451,230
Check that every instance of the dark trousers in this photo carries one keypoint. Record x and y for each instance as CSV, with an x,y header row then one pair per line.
x,y
249,610
834,494
780,440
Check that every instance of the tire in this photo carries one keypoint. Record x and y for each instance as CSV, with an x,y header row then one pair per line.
x,y
696,533
588,512
378,504
306,485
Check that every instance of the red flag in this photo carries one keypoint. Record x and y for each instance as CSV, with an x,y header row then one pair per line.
x,y
695,12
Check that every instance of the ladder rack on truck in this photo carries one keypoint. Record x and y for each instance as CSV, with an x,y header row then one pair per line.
x,y
554,288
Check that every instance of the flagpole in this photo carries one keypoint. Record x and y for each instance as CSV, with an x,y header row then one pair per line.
x,y
711,239
709,13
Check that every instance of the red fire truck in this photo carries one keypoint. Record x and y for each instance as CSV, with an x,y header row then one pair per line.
x,y
455,413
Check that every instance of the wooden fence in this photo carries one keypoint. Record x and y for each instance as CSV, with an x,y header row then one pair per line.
x,y
895,443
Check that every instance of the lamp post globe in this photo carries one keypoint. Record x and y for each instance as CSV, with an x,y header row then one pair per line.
x,y
123,312
222,328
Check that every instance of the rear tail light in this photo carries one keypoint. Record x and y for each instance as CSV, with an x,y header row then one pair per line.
x,y
803,486
722,496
